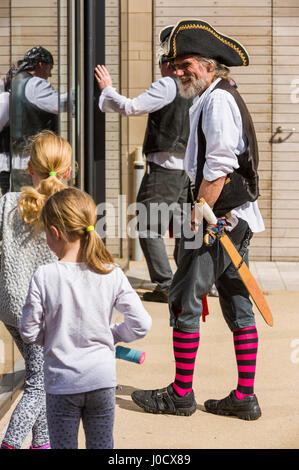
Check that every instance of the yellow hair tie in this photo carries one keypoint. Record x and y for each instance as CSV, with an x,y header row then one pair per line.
x,y
90,228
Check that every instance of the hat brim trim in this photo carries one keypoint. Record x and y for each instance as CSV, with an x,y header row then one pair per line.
x,y
227,41
165,27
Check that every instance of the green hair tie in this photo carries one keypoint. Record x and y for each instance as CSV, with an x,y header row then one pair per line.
x,y
52,173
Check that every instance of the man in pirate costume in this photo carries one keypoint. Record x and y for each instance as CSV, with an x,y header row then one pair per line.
x,y
33,108
165,183
221,161
5,130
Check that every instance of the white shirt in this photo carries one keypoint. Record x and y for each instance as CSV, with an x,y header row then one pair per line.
x,y
4,109
4,119
40,93
68,311
222,127
161,93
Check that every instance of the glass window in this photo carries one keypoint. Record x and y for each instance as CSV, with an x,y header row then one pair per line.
x,y
42,40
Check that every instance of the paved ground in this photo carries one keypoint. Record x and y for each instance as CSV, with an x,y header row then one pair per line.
x,y
277,377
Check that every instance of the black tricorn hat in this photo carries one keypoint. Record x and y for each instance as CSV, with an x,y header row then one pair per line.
x,y
198,37
165,33
163,37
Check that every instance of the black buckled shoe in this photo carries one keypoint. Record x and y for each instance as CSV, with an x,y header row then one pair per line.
x,y
156,296
247,408
165,400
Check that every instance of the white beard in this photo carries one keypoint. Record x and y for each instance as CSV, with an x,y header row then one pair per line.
x,y
196,87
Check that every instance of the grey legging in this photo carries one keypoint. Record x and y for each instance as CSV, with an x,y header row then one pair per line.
x,y
96,408
160,187
30,412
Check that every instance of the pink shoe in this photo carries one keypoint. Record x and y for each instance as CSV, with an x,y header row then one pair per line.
x,y
46,446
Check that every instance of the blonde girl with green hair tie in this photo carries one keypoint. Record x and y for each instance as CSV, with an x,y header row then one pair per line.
x,y
69,312
23,249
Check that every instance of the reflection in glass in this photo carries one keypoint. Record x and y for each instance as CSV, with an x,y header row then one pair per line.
x,y
45,47
33,108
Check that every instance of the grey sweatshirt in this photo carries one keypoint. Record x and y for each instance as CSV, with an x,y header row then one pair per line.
x,y
69,311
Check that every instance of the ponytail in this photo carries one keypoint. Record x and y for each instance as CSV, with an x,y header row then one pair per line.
x,y
94,253
32,200
73,212
50,158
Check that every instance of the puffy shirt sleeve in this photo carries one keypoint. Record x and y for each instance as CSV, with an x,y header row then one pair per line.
x,y
222,126
32,322
4,109
159,94
41,93
137,321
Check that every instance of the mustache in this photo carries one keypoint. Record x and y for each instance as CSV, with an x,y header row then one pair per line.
x,y
196,86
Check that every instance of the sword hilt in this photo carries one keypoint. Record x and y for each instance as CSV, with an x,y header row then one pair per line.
x,y
207,212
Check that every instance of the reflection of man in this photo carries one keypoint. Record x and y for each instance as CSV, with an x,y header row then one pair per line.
x,y
221,160
33,107
165,180
5,131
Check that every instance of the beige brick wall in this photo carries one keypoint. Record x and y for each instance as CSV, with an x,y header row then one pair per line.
x,y
285,156
131,42
113,126
32,25
270,32
4,37
250,23
140,62
129,60
140,74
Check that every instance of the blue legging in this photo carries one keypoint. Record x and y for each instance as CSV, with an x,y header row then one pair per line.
x,y
96,409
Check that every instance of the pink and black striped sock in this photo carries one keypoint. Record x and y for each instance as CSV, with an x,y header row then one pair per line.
x,y
246,346
185,346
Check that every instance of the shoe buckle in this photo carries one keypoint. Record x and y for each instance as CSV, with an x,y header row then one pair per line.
x,y
161,393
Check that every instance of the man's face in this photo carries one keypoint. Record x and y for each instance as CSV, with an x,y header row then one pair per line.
x,y
43,70
167,69
195,77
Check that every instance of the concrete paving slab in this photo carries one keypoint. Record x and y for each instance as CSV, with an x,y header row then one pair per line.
x,y
277,383
277,379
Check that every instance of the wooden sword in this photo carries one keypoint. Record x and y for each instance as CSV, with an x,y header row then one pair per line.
x,y
240,265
